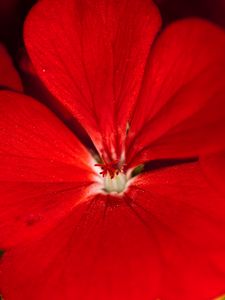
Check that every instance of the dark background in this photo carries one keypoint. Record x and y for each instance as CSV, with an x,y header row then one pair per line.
x,y
13,13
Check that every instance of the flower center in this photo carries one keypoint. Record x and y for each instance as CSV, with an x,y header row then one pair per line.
x,y
114,178
116,184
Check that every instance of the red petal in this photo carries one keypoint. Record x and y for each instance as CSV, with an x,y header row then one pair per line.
x,y
36,88
181,109
9,77
44,170
98,252
91,55
159,241
214,167
187,216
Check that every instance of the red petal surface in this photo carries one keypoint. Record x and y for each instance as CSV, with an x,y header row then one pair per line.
x,y
9,77
214,168
181,109
188,219
44,170
91,54
97,252
160,240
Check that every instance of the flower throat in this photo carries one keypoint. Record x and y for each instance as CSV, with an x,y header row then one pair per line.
x,y
113,174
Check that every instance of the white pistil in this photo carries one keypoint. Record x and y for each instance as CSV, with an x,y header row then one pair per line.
x,y
117,184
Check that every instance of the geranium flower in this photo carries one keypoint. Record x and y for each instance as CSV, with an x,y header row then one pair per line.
x,y
78,225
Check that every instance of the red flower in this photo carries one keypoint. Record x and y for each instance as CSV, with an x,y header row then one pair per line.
x,y
69,232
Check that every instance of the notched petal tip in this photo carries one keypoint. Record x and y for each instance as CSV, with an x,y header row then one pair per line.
x,y
96,72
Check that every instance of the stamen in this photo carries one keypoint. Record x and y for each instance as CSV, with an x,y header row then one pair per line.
x,y
114,177
112,168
